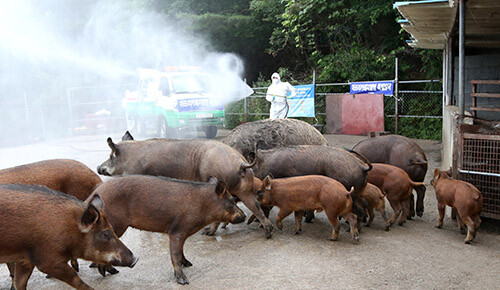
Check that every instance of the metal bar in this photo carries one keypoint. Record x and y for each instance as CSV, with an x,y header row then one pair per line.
x,y
479,173
461,61
415,116
423,92
396,94
419,81
333,84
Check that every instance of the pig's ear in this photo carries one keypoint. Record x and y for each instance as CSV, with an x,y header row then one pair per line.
x,y
221,189
112,145
271,176
267,183
92,214
436,172
127,136
212,180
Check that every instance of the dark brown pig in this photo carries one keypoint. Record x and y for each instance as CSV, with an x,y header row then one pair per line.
x,y
403,153
397,187
349,168
272,133
45,228
178,208
374,200
195,160
311,192
461,195
65,175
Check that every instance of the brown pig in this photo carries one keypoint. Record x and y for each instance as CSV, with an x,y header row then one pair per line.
x,y
176,207
397,186
310,192
461,195
45,228
374,199
194,160
65,175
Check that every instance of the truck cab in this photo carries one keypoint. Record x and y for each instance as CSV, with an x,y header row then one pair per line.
x,y
167,102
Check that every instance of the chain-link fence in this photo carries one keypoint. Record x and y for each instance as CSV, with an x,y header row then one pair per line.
x,y
418,103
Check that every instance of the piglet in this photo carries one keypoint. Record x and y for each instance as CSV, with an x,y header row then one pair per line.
x,y
462,196
310,192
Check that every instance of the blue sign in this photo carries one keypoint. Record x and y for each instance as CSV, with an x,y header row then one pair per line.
x,y
384,87
302,104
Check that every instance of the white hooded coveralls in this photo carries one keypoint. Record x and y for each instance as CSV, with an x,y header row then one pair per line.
x,y
276,94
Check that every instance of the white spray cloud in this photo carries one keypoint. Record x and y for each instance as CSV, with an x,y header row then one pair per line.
x,y
82,43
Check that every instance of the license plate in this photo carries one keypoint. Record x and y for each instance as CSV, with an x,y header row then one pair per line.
x,y
204,115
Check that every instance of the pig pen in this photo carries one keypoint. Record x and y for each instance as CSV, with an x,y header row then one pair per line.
x,y
416,255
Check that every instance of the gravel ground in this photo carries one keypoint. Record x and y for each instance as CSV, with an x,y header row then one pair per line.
x,y
416,255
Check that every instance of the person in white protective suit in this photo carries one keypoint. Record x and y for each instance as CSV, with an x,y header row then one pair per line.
x,y
277,94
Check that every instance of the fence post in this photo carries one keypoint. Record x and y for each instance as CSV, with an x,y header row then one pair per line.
x,y
396,95
245,110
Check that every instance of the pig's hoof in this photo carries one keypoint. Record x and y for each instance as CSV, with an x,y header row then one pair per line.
x,y
101,270
401,224
409,217
93,265
332,239
356,238
420,213
207,231
111,270
48,276
438,226
298,232
181,279
387,227
367,225
186,263
269,231
467,242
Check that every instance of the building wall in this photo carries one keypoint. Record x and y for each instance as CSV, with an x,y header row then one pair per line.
x,y
479,67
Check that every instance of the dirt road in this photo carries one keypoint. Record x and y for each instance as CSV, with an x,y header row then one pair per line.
x,y
416,255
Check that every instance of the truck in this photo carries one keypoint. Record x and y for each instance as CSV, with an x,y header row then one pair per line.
x,y
173,100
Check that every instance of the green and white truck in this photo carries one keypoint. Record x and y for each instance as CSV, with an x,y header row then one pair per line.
x,y
170,101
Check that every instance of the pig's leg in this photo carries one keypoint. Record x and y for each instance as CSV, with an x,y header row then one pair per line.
x,y
283,213
371,215
177,256
63,272
471,233
396,207
461,225
420,199
384,216
210,231
411,200
22,274
353,220
405,205
336,226
441,210
477,222
253,205
298,221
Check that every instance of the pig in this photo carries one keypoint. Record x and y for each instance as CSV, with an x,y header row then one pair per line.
x,y
194,160
43,228
403,153
462,196
65,175
397,187
347,167
272,133
178,208
310,192
374,199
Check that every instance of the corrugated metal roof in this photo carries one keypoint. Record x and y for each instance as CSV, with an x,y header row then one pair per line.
x,y
430,22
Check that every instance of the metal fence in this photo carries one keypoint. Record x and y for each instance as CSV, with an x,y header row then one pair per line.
x,y
412,100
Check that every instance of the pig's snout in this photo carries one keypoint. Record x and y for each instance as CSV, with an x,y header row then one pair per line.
x,y
241,217
102,171
129,261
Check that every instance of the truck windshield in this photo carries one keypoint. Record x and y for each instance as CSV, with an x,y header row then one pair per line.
x,y
183,84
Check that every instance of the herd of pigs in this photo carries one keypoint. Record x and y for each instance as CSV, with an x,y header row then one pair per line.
x,y
59,210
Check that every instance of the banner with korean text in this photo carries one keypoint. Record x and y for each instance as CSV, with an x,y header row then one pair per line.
x,y
382,87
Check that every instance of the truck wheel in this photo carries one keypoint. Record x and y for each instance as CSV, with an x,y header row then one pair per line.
x,y
164,131
211,132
